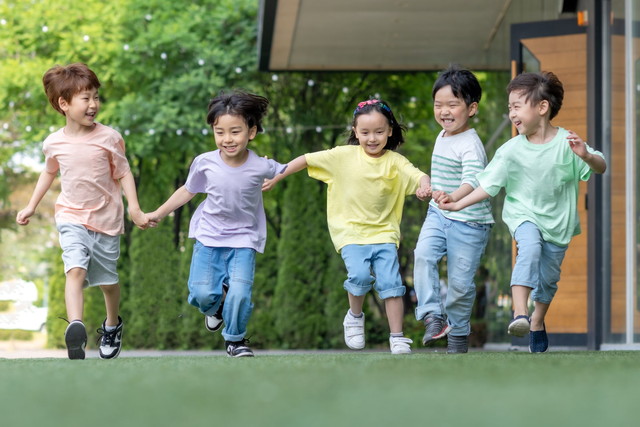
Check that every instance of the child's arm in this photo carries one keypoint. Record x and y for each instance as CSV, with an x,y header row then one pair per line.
x,y
443,197
472,198
129,187
424,192
595,162
43,185
177,199
295,165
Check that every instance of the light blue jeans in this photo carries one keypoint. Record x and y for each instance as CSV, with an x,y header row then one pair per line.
x,y
537,263
210,269
374,266
463,243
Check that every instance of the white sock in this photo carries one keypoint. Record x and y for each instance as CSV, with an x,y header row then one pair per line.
x,y
353,315
110,328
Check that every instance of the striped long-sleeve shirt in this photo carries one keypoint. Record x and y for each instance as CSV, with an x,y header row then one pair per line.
x,y
456,160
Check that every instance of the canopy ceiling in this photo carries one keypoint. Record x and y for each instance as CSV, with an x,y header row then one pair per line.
x,y
392,35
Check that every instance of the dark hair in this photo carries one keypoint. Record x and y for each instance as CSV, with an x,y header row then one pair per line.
x,y
66,81
250,107
382,107
463,82
536,87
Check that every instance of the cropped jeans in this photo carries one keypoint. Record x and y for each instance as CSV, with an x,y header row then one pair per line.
x,y
463,243
211,267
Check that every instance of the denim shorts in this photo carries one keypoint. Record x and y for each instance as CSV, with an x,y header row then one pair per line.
x,y
537,263
373,266
95,252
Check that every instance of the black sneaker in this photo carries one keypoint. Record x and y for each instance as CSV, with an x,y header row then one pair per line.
x,y
213,323
457,344
75,336
110,341
238,348
435,327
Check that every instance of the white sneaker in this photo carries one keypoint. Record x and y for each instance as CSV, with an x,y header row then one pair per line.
x,y
400,345
354,331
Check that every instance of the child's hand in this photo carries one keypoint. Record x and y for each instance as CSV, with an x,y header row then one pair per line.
x,y
448,206
423,193
23,216
577,144
269,184
154,219
139,218
441,197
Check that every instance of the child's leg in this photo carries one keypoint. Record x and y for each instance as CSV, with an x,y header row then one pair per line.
x,y
112,303
526,272
550,262
238,306
207,274
538,315
389,284
520,297
465,246
395,314
356,303
430,249
73,296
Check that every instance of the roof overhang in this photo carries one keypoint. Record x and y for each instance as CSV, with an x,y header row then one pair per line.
x,y
393,35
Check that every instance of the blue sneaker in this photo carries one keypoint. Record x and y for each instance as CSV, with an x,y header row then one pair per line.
x,y
519,327
538,341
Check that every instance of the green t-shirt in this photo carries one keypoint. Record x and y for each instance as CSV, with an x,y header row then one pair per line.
x,y
541,185
365,195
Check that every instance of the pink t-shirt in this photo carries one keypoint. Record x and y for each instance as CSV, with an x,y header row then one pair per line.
x,y
90,170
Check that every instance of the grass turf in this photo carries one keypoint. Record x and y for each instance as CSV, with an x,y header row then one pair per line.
x,y
325,389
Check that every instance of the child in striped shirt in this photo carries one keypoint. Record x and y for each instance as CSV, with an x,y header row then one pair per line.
x,y
457,157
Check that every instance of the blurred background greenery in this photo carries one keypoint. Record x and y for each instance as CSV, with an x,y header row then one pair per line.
x,y
159,64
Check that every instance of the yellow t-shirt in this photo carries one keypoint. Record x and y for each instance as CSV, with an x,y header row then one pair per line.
x,y
365,195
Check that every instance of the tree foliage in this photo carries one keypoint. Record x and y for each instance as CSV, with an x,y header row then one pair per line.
x,y
160,63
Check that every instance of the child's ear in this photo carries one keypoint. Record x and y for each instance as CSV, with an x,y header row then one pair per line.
x,y
63,104
253,132
543,107
473,109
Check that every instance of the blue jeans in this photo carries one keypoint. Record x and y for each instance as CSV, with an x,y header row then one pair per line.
x,y
381,260
210,268
537,263
463,243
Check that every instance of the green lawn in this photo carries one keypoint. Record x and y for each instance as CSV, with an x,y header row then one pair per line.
x,y
325,389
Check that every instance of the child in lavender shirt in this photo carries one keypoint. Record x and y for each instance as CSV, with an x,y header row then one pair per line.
x,y
229,225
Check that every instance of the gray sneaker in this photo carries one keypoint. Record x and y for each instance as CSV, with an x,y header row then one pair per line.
x,y
457,344
435,327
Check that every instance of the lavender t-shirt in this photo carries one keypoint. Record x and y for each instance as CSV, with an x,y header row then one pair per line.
x,y
232,215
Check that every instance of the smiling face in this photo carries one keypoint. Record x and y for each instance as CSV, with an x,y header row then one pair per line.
x,y
232,135
81,111
372,130
451,112
527,118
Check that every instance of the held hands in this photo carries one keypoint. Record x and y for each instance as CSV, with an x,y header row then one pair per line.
x,y
142,220
269,184
444,201
423,193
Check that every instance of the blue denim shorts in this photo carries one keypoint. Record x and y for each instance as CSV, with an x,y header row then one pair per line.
x,y
373,266
537,263
95,252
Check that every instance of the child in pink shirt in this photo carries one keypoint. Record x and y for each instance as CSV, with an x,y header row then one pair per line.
x,y
89,211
